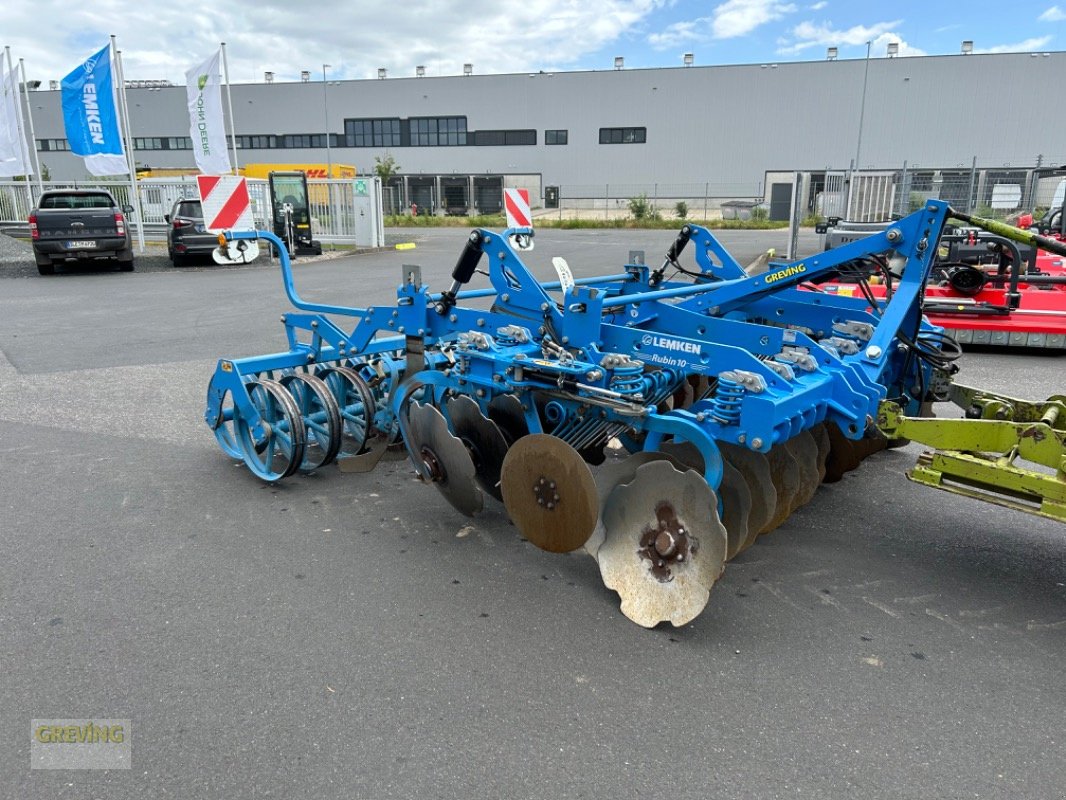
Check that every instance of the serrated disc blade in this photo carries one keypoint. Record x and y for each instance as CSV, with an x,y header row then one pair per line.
x,y
784,470
755,469
507,412
804,449
821,438
549,493
733,492
657,580
613,473
844,455
484,439
442,459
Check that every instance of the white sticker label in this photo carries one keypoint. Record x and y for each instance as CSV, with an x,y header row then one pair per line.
x,y
566,277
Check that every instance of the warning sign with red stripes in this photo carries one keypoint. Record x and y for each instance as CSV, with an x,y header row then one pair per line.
x,y
516,202
226,204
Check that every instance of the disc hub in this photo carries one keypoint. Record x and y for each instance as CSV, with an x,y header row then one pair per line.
x,y
433,470
667,544
544,490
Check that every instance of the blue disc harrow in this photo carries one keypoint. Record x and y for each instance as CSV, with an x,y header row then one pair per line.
x,y
661,418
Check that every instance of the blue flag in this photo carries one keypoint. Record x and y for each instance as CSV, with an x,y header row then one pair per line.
x,y
90,117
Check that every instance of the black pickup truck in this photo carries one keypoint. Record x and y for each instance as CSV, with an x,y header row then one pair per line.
x,y
80,226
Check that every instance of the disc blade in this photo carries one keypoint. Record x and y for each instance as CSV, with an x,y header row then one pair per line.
x,y
484,439
664,546
613,473
736,509
821,438
844,455
549,492
442,459
733,492
804,449
784,470
507,412
755,469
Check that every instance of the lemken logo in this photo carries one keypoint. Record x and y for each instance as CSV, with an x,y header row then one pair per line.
x,y
201,82
781,274
650,340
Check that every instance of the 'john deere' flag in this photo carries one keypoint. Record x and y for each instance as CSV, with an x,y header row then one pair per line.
x,y
90,117
206,126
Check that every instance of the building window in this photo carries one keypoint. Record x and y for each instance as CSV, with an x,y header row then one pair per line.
x,y
623,135
148,143
438,131
52,144
496,138
556,137
306,141
257,142
372,132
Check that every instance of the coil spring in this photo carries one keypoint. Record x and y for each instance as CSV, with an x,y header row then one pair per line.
x,y
727,401
628,379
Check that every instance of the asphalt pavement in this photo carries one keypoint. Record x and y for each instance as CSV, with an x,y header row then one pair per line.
x,y
352,636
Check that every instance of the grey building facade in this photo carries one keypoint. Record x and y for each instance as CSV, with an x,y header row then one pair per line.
x,y
725,128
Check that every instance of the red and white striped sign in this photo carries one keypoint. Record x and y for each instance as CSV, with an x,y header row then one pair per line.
x,y
516,202
226,204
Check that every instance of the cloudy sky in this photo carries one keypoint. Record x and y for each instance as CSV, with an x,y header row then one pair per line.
x,y
160,40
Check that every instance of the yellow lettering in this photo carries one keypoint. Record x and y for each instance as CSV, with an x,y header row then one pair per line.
x,y
117,734
42,734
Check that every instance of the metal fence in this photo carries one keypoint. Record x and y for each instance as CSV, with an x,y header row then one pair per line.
x,y
342,211
706,200
874,195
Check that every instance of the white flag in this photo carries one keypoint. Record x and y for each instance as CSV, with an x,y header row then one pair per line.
x,y
12,156
203,85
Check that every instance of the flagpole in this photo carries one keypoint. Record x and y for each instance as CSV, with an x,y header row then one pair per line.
x,y
33,133
125,117
229,102
23,152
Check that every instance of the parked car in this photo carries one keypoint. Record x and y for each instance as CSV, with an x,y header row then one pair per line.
x,y
187,240
80,226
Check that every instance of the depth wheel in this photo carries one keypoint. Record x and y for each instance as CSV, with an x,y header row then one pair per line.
x,y
321,416
281,452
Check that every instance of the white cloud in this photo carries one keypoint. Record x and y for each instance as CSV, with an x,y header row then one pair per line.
x,y
880,46
161,39
680,33
810,34
818,6
1025,46
737,17
1053,14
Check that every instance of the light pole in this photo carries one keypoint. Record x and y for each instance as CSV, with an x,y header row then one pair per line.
x,y
325,108
862,116
862,106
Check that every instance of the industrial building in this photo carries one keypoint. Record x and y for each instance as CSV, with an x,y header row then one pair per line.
x,y
718,132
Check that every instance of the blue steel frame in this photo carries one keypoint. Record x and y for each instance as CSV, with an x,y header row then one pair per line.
x,y
774,349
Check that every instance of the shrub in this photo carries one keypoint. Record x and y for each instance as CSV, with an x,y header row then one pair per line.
x,y
641,209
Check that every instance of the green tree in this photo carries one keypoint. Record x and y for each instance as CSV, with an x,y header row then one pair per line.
x,y
682,209
385,167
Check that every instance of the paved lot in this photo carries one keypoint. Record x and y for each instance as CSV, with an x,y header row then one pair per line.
x,y
350,636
